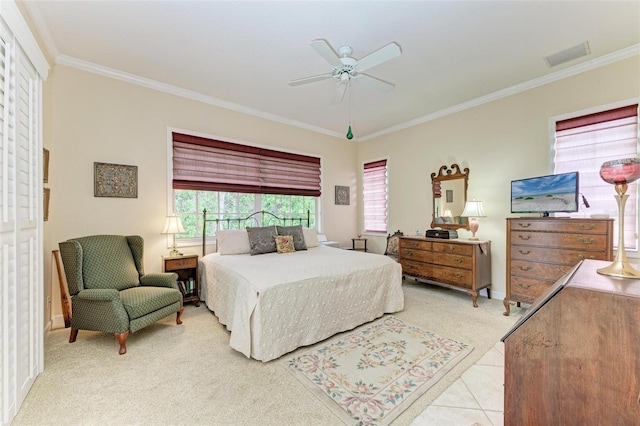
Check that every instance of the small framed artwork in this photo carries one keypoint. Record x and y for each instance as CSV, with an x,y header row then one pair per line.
x,y
45,165
449,195
342,195
45,203
115,180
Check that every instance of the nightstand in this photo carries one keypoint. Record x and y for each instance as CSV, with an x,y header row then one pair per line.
x,y
187,269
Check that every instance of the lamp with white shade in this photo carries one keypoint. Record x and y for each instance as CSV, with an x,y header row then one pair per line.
x,y
173,226
473,210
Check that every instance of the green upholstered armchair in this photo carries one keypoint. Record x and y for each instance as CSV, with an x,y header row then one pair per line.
x,y
110,291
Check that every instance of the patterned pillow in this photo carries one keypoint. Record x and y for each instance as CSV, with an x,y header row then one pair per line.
x,y
262,239
284,244
296,233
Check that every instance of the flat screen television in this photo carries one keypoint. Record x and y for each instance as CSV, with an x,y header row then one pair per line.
x,y
546,194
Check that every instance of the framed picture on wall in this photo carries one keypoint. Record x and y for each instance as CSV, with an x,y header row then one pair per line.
x,y
45,165
115,180
45,203
449,195
342,195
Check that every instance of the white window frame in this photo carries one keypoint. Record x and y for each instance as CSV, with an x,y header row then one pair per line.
x,y
187,242
362,223
582,213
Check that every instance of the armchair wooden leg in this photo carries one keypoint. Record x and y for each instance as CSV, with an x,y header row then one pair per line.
x,y
73,335
179,316
122,339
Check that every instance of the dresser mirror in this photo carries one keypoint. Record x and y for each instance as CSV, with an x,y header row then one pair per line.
x,y
449,196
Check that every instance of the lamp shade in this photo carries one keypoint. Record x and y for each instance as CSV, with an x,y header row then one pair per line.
x,y
173,225
473,209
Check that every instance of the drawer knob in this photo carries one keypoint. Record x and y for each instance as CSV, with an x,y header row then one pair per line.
x,y
582,257
525,268
524,237
524,225
409,253
459,260
525,252
525,286
587,227
584,241
458,275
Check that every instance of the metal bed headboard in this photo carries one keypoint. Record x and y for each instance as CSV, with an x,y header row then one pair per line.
x,y
259,218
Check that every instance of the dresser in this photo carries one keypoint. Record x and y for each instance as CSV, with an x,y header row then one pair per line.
x,y
540,250
460,264
572,359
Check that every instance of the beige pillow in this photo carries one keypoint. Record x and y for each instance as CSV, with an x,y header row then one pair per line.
x,y
232,241
310,237
284,244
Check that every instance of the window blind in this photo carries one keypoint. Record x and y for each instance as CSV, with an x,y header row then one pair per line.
x,y
212,165
375,196
583,143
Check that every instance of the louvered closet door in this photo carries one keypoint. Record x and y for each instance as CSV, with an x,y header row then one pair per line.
x,y
20,225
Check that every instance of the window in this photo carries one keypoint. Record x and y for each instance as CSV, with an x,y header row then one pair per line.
x,y
583,144
232,181
374,196
222,205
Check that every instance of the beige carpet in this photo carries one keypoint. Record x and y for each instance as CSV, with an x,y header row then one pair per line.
x,y
188,375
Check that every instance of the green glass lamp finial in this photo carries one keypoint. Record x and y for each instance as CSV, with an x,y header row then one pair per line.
x,y
349,134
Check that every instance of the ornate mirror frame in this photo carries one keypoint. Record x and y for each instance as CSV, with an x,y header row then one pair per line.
x,y
449,197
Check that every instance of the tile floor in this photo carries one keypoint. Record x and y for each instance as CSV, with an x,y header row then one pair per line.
x,y
476,398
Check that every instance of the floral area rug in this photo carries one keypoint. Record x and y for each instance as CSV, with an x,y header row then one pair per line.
x,y
370,375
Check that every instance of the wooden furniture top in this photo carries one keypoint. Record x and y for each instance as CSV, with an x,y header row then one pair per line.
x,y
587,277
444,240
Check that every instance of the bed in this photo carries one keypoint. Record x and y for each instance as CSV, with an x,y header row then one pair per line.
x,y
273,303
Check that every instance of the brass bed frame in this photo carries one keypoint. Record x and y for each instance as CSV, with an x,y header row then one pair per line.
x,y
259,218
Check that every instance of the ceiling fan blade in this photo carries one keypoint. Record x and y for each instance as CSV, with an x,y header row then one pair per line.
x,y
312,79
381,55
341,90
377,83
326,51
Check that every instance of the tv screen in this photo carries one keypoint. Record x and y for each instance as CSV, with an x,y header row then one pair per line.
x,y
546,194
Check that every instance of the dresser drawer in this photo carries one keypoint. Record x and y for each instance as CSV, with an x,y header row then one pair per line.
x,y
527,290
415,244
457,261
462,249
416,268
454,276
551,255
561,225
417,255
590,242
552,272
173,264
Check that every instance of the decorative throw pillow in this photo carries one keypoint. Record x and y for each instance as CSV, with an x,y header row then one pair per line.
x,y
296,233
262,239
310,237
232,241
284,244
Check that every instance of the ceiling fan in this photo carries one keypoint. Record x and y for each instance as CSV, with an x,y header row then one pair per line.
x,y
347,69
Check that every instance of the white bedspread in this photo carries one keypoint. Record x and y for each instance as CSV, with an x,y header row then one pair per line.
x,y
274,303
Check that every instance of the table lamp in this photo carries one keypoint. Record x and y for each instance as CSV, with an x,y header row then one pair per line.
x,y
620,173
173,226
473,210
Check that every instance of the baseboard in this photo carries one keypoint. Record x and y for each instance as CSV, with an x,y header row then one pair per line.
x,y
57,322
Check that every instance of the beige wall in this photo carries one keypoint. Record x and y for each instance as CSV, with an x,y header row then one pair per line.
x,y
499,141
90,118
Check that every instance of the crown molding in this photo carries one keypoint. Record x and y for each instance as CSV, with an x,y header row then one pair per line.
x,y
184,93
518,88
500,94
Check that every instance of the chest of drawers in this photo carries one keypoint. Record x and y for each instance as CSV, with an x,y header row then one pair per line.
x,y
462,264
541,250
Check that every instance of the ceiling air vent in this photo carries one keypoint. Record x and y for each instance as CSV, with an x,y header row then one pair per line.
x,y
568,55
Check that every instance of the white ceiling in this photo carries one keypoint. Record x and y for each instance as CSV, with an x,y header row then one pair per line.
x,y
241,54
